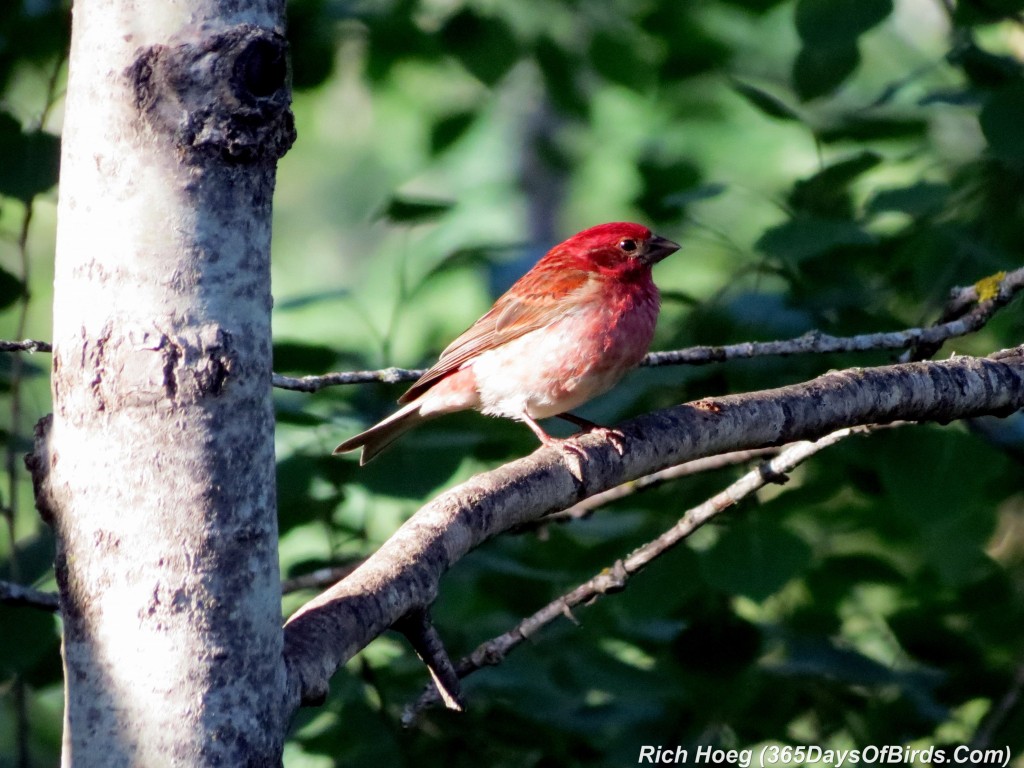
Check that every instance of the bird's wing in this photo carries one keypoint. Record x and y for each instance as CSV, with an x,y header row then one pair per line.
x,y
532,303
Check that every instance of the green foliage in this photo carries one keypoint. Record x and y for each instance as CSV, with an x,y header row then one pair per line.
x,y
836,165
31,160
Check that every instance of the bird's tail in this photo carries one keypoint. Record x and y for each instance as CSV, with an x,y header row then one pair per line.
x,y
380,436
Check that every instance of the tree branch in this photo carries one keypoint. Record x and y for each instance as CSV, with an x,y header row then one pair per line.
x,y
956,320
615,577
316,383
419,630
585,508
404,573
17,595
321,578
987,297
28,345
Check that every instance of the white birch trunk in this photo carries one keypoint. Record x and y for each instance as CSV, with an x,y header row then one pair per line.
x,y
158,470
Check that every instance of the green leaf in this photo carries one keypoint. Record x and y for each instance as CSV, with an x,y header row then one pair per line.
x,y
820,658
616,57
404,210
1002,119
450,129
295,478
696,194
756,6
561,72
29,636
692,48
864,128
476,256
294,356
802,238
312,43
720,644
838,23
947,513
771,105
818,71
984,69
484,44
826,193
987,11
916,200
664,178
306,300
11,288
755,557
31,160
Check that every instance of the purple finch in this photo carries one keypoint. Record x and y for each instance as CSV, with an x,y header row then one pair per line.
x,y
565,332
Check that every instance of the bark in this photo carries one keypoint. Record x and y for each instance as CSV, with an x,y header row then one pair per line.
x,y
157,471
403,576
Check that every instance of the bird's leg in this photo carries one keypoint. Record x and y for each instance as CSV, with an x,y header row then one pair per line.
x,y
550,441
579,421
614,436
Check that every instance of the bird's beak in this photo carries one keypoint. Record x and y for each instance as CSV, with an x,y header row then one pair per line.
x,y
658,248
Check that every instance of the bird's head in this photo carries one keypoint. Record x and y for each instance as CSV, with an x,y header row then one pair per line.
x,y
618,247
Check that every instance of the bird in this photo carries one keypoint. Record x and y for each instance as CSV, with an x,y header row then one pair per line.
x,y
566,331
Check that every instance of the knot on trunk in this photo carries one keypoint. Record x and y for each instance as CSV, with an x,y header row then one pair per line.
x,y
226,92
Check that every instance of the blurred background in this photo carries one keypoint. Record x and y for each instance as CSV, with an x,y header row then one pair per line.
x,y
836,165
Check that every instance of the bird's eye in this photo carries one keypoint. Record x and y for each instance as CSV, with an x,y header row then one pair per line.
x,y
628,245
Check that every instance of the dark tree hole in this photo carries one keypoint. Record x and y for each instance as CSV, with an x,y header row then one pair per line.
x,y
261,68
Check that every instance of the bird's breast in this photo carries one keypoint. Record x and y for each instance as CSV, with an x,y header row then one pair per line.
x,y
573,359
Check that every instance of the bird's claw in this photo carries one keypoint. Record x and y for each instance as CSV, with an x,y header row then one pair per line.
x,y
614,436
565,446
568,447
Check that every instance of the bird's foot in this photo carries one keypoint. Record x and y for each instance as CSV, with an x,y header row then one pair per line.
x,y
614,436
566,447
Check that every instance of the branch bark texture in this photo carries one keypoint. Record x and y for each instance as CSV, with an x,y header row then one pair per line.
x,y
404,574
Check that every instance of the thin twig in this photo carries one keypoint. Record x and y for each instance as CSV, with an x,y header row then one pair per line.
x,y
320,578
813,342
423,636
316,383
615,577
587,507
28,345
17,595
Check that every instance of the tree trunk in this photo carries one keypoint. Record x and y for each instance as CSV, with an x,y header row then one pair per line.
x,y
157,472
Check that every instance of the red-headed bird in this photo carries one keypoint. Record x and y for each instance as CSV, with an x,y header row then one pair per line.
x,y
565,332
